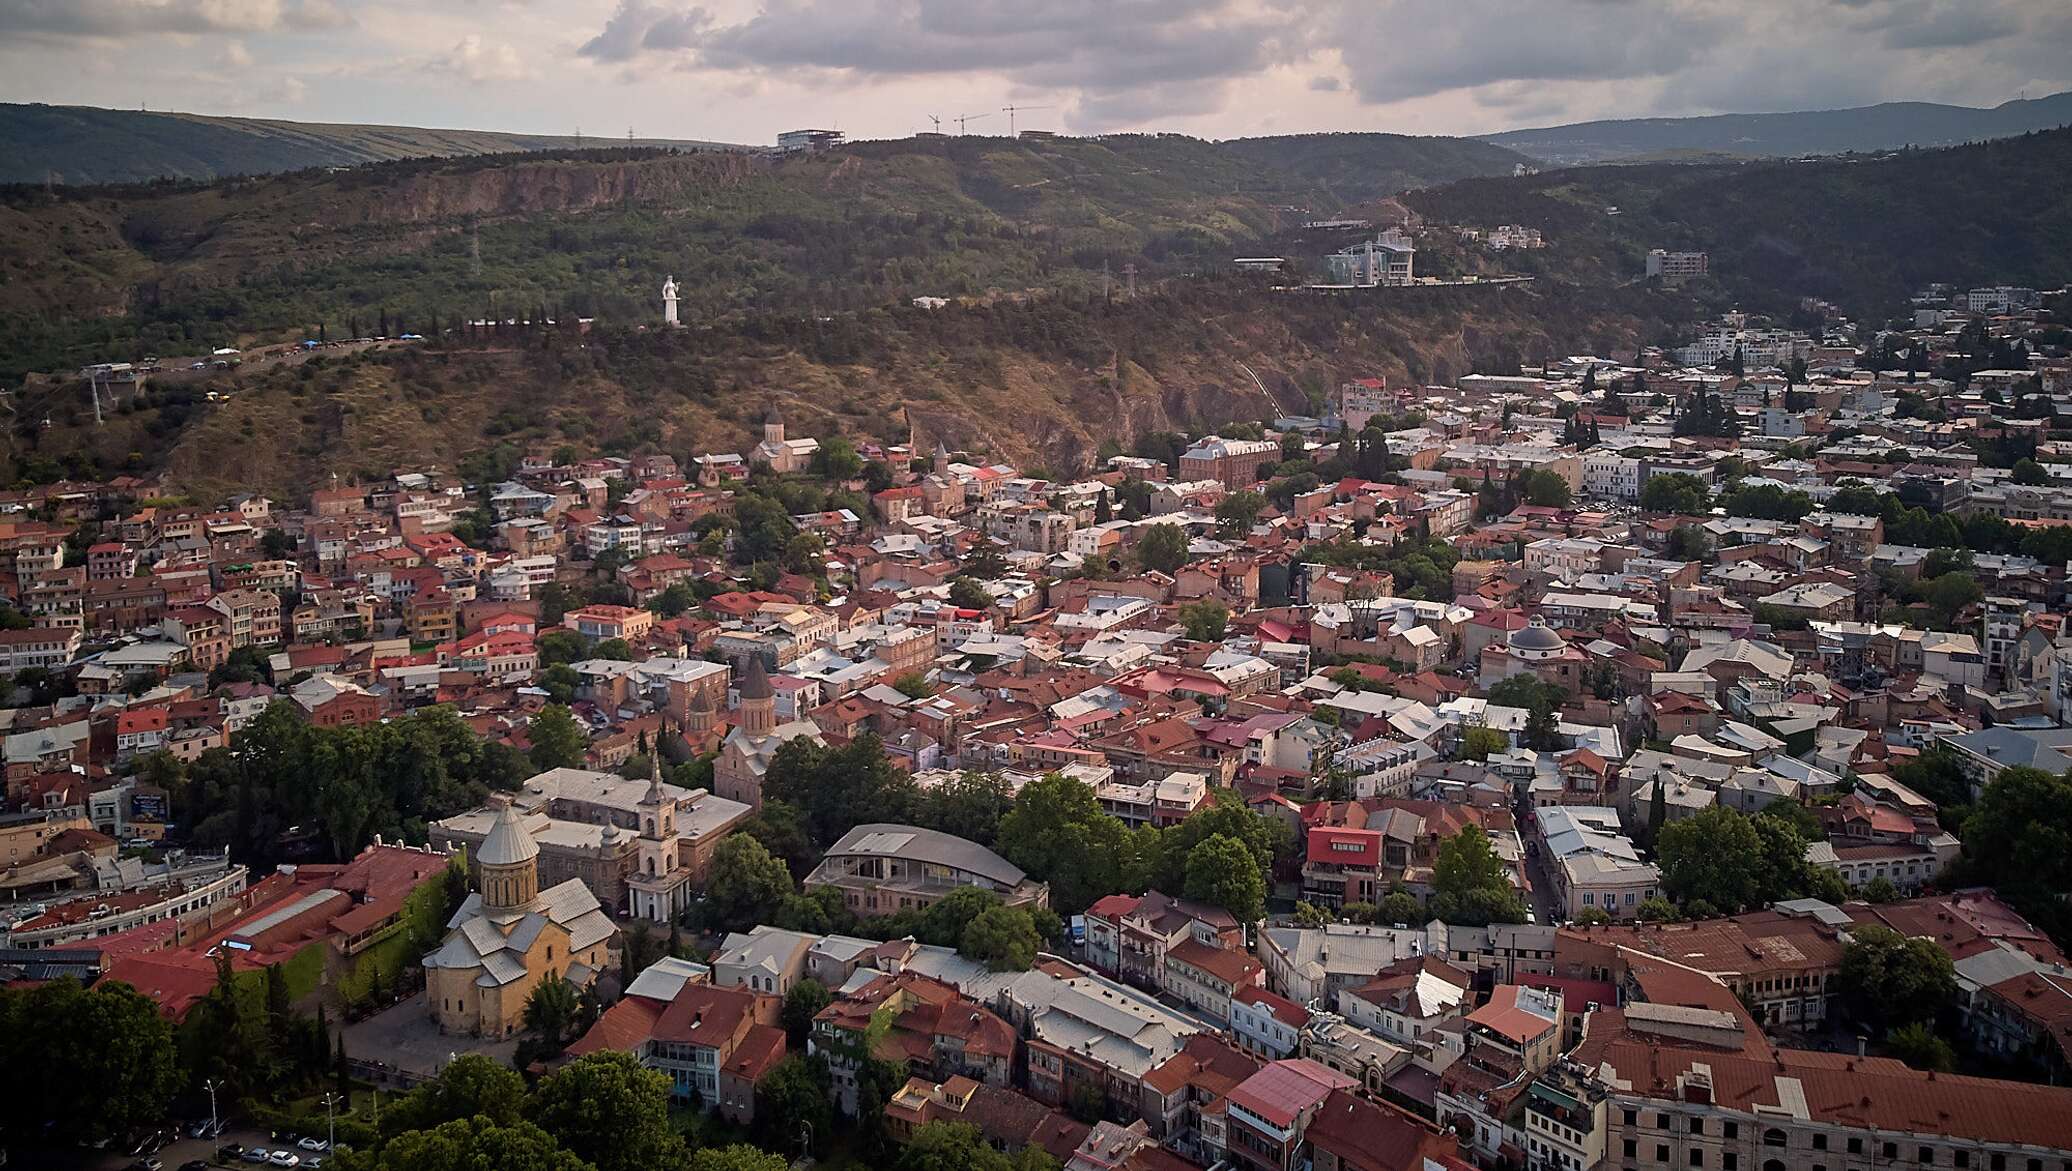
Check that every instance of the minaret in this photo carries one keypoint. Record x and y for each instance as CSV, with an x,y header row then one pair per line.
x,y
669,301
758,702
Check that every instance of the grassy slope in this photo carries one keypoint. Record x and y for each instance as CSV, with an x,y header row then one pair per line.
x,y
85,144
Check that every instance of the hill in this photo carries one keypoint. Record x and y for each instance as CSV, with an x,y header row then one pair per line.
x,y
89,145
92,274
1861,232
1887,126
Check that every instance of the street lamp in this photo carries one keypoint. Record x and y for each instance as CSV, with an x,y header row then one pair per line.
x,y
210,1085
330,1122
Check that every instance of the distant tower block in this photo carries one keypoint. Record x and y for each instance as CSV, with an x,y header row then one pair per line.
x,y
669,301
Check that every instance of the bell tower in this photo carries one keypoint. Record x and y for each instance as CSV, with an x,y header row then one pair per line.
x,y
657,821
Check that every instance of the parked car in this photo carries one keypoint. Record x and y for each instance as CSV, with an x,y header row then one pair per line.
x,y
196,1165
313,1144
229,1152
148,1163
256,1155
284,1159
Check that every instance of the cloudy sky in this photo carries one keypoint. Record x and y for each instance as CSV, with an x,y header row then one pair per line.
x,y
741,70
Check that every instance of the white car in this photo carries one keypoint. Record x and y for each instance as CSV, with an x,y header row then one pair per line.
x,y
317,1145
284,1159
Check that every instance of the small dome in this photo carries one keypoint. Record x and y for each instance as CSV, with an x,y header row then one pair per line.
x,y
507,844
1537,636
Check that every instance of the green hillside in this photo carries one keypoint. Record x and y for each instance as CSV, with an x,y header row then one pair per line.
x,y
94,274
1887,126
1862,232
88,145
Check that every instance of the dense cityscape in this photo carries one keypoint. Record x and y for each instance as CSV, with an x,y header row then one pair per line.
x,y
887,585
1640,760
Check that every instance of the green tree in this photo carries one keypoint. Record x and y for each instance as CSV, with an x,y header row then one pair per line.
x,y
2028,471
1676,493
550,1010
557,740
1918,1046
1399,906
792,1103
950,1146
561,647
744,885
104,1059
969,807
914,685
967,593
618,650
1205,620
801,1005
737,1157
1888,979
610,1112
1238,512
1002,938
1715,856
1657,910
1163,548
1478,742
1470,884
470,1085
1221,870
1546,489
466,1144
1058,832
672,602
2018,839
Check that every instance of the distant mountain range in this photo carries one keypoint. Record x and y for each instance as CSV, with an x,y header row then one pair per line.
x,y
86,144
1887,126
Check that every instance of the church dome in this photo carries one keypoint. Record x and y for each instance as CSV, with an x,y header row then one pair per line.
x,y
507,844
1536,638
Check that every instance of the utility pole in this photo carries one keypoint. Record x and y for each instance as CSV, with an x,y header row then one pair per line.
x,y
1129,276
93,382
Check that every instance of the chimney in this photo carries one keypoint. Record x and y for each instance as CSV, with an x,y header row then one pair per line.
x,y
1861,1043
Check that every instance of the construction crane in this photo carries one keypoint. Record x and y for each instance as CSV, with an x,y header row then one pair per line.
x,y
937,122
963,118
1010,115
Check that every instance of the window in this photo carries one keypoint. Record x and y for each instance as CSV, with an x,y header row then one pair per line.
x,y
1728,1161
1819,1142
1697,1126
1889,1150
1925,1156
1633,1119
1661,1152
1631,1148
1697,1156
1730,1129
1856,1146
1774,1137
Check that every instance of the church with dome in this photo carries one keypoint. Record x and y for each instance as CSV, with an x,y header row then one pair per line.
x,y
510,935
1533,649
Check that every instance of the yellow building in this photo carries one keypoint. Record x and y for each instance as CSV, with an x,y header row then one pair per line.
x,y
511,935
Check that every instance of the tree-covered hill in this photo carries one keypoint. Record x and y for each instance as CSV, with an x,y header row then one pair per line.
x,y
1886,126
92,274
1861,231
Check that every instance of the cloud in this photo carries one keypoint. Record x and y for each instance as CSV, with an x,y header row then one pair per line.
x,y
317,15
478,61
122,18
1325,84
1135,58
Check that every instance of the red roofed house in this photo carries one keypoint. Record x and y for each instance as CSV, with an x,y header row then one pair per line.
x,y
1271,1110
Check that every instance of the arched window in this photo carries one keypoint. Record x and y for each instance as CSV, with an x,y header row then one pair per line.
x,y
1774,1137
1773,1165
